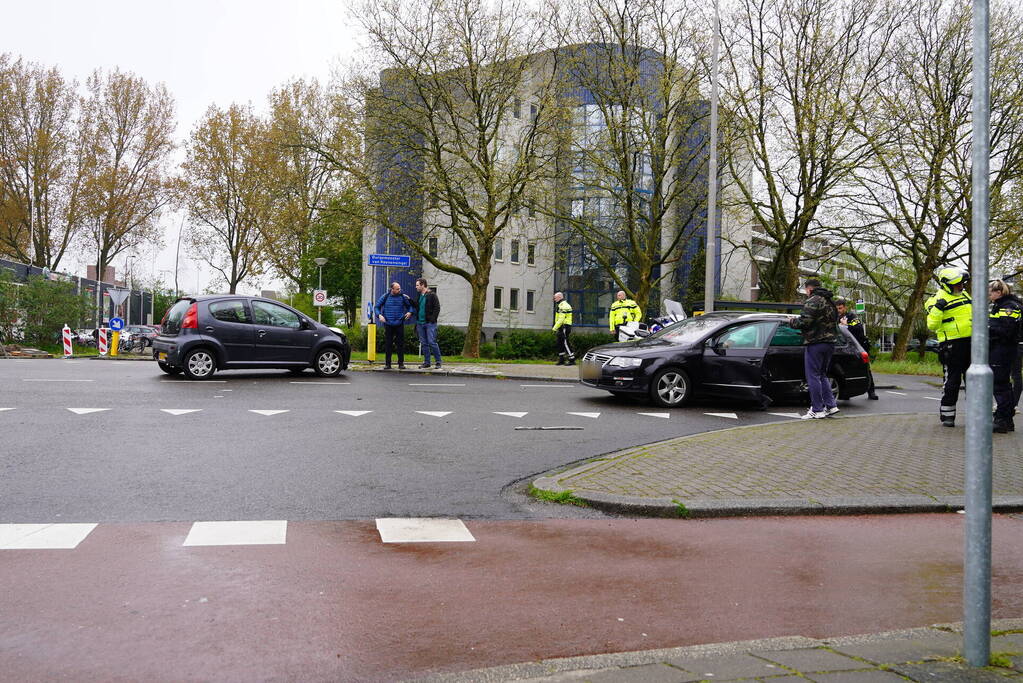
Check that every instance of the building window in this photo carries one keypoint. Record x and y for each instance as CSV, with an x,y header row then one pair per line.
x,y
517,108
532,112
499,250
531,254
498,293
513,300
530,297
514,252
431,247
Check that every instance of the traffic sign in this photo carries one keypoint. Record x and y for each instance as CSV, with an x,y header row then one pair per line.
x,y
390,260
116,324
118,296
369,311
860,306
319,297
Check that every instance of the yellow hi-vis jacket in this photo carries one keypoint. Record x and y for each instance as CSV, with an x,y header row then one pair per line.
x,y
950,315
562,315
624,311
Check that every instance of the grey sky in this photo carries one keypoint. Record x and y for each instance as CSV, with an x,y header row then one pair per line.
x,y
205,51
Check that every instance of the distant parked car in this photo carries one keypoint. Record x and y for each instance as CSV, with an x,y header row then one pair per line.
x,y
932,345
146,333
204,334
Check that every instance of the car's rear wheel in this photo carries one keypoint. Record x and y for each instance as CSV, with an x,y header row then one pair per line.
x,y
199,364
328,363
169,369
836,387
670,388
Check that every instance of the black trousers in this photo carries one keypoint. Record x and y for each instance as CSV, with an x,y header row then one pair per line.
x,y
1002,359
394,336
955,361
1016,375
870,381
564,350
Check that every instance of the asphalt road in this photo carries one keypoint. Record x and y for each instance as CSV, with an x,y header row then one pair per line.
x,y
130,461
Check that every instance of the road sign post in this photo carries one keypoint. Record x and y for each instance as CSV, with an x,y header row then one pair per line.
x,y
117,297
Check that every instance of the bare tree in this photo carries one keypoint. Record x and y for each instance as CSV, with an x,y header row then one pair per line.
x,y
227,188
796,75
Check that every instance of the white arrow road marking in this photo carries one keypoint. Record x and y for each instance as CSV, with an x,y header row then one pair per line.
x,y
420,530
272,532
86,411
664,415
511,414
43,536
592,415
897,393
264,412
792,415
730,416
353,413
434,413
3,409
179,411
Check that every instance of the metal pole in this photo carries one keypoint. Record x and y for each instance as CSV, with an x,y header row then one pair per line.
x,y
177,255
977,561
319,308
710,269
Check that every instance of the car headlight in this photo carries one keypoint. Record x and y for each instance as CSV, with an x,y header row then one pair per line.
x,y
625,362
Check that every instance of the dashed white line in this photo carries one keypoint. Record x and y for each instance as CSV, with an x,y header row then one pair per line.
x,y
265,412
5,409
86,411
897,393
932,398
433,384
792,415
434,413
663,415
423,530
552,385
354,413
43,536
180,411
511,414
590,415
320,383
271,532
730,416
58,380
186,383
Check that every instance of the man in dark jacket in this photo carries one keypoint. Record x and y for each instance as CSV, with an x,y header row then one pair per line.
x,y
819,325
849,320
1004,329
393,309
427,307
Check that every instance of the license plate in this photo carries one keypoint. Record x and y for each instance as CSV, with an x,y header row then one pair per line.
x,y
163,356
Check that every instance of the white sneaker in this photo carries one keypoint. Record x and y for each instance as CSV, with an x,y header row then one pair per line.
x,y
828,412
811,415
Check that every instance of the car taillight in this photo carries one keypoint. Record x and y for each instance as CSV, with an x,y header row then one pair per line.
x,y
865,356
191,320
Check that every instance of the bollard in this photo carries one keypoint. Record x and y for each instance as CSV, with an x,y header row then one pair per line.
x,y
66,333
114,341
371,342
101,341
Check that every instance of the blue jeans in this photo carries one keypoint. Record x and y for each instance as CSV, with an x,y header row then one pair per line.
x,y
816,362
427,333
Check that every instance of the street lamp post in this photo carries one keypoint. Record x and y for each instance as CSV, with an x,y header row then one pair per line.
x,y
320,262
710,248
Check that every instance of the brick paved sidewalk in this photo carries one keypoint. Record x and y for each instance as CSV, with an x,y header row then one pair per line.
x,y
880,463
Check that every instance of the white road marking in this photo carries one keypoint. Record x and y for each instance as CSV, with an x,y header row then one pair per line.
x,y
792,415
43,536
552,385
271,532
434,413
730,416
897,393
420,530
58,380
664,415
3,409
264,412
180,411
590,415
86,411
931,398
185,382
227,389
433,384
354,413
308,382
511,414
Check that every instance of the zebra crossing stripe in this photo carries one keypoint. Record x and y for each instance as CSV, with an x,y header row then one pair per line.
x,y
271,532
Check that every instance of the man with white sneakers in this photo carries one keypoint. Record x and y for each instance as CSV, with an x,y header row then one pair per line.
x,y
819,325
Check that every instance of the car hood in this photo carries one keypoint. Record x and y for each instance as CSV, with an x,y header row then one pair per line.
x,y
638,347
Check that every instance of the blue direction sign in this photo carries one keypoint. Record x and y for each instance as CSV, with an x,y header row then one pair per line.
x,y
116,324
390,260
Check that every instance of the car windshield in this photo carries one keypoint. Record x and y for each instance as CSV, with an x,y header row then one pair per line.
x,y
688,330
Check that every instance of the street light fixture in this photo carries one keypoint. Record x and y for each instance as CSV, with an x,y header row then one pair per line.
x,y
320,262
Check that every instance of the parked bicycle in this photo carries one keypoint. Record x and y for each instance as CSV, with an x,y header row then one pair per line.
x,y
131,343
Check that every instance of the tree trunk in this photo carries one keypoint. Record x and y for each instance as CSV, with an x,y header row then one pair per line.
x,y
479,284
913,306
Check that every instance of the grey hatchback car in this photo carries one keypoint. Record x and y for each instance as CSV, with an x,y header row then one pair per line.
x,y
203,334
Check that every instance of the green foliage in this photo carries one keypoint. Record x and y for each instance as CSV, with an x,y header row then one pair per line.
x,y
681,509
488,350
9,314
336,238
564,497
46,306
304,302
539,344
450,340
163,299
911,365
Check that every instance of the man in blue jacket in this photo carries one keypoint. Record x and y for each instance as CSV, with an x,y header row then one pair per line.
x,y
393,309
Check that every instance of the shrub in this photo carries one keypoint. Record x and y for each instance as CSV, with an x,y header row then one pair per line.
x,y
518,344
581,343
488,350
451,340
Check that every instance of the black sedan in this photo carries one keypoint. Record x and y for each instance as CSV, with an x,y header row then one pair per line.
x,y
753,357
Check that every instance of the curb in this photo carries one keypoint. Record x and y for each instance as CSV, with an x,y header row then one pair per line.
x,y
750,507
463,373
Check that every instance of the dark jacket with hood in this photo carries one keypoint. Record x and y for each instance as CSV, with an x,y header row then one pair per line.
x,y
432,306
819,320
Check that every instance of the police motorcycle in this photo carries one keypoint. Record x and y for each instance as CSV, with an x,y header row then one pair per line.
x,y
636,330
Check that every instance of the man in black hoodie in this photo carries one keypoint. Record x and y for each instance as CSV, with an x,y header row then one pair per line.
x,y
1004,330
819,325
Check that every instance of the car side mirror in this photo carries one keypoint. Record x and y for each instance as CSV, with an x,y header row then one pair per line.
x,y
306,325
717,346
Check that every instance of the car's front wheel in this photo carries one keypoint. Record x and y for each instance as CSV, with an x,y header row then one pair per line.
x,y
328,363
199,364
169,369
670,387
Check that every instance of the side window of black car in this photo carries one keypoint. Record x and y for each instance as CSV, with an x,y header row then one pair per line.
x,y
229,311
749,336
274,315
787,336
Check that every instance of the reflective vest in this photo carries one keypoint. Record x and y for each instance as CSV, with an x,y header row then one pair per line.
x,y
624,311
562,315
950,315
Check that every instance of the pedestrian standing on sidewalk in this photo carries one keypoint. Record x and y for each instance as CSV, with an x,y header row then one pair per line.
x,y
819,324
852,322
950,317
563,327
427,307
393,309
1003,326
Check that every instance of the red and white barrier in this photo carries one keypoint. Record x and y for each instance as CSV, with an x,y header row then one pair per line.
x,y
67,341
102,341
